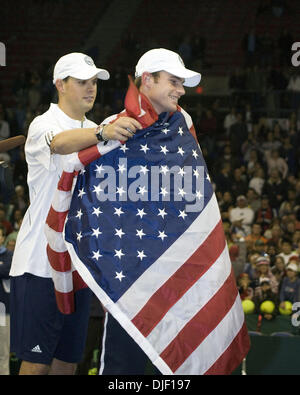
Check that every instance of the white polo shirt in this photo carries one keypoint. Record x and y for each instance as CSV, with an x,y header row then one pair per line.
x,y
44,170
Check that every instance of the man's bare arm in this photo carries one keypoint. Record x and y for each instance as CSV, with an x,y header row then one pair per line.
x,y
75,140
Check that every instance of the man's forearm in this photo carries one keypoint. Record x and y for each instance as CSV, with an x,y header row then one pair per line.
x,y
73,140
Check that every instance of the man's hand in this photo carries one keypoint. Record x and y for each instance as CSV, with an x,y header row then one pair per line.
x,y
122,129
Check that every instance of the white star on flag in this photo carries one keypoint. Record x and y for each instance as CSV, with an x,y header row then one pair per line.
x,y
163,191
162,213
182,172
121,168
164,149
96,255
181,192
141,255
79,214
96,232
79,236
144,169
144,148
142,190
141,212
119,232
96,211
99,168
182,214
162,235
124,148
119,253
118,211
195,155
81,193
180,151
164,169
196,173
140,233
97,189
120,276
180,131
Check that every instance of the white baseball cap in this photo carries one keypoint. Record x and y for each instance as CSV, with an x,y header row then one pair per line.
x,y
293,267
161,59
77,65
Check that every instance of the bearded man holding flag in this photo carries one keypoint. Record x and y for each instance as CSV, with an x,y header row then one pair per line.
x,y
159,265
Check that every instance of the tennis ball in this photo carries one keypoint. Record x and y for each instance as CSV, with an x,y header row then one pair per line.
x,y
248,306
267,307
288,308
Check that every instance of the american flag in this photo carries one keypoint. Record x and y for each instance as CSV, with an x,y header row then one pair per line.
x,y
158,265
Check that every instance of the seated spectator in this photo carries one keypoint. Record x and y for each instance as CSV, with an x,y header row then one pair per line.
x,y
250,267
238,184
238,253
271,143
244,288
276,162
229,120
254,236
254,200
260,247
286,251
222,178
279,269
275,189
241,217
238,134
4,222
5,264
258,180
253,163
20,199
274,234
264,214
225,204
264,272
290,286
262,293
272,251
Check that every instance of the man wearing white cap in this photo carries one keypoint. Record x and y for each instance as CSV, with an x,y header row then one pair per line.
x,y
44,339
160,77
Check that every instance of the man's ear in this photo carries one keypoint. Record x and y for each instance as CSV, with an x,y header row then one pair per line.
x,y
60,86
147,79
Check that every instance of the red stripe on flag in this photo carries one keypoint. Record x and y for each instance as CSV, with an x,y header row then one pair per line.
x,y
88,155
173,289
78,282
66,181
65,302
200,326
60,261
233,355
56,219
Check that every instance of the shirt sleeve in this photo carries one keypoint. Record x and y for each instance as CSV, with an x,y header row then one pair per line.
x,y
37,145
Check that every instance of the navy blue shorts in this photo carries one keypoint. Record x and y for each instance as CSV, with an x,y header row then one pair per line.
x,y
39,331
120,353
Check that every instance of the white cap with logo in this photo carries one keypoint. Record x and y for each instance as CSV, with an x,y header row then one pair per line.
x,y
161,59
77,65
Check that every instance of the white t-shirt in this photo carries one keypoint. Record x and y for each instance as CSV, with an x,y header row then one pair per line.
x,y
246,214
44,170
